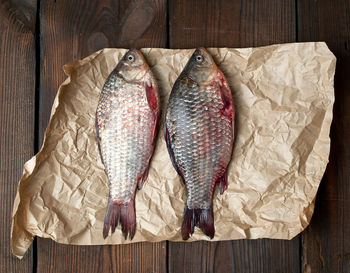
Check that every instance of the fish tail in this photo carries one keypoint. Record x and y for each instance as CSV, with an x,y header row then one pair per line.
x,y
202,218
123,213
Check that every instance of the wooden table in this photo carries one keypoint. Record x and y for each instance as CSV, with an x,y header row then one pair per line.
x,y
39,36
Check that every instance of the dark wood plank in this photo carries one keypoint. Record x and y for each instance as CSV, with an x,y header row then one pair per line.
x,y
235,256
226,23
233,24
17,115
72,30
138,257
326,242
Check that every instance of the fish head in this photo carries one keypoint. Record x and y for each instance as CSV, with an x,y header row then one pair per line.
x,y
133,66
201,67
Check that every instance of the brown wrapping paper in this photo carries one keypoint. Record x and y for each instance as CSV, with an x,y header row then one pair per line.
x,y
284,97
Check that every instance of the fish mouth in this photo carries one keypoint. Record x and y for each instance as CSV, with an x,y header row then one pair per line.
x,y
202,50
144,61
139,53
206,55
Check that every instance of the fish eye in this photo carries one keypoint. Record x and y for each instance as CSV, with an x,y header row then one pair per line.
x,y
131,58
199,58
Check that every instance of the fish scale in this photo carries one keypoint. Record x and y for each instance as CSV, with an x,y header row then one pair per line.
x,y
199,136
122,139
126,118
201,133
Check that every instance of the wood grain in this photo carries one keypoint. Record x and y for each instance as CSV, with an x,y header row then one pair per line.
x,y
72,30
235,256
17,102
138,257
226,23
326,242
233,24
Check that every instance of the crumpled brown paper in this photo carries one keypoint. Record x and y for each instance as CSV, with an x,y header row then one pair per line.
x,y
284,97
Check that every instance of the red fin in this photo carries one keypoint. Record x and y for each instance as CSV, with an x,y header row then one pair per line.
x,y
203,218
123,213
143,179
222,183
153,102
226,96
151,96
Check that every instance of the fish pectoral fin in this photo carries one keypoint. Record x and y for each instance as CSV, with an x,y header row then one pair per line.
x,y
229,107
171,152
143,179
228,110
123,213
202,218
221,183
153,102
151,93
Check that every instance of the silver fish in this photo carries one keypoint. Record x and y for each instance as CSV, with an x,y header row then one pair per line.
x,y
126,121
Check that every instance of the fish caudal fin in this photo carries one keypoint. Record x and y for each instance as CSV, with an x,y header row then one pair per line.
x,y
123,213
202,218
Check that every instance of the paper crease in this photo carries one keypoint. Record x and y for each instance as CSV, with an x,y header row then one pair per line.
x,y
283,97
